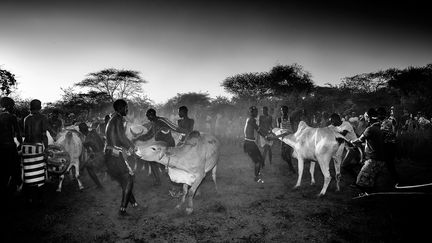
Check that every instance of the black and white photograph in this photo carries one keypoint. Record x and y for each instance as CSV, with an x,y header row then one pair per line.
x,y
215,121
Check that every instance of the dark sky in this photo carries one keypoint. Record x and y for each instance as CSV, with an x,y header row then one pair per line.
x,y
182,46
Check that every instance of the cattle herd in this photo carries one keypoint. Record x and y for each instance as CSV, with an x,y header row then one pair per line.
x,y
76,148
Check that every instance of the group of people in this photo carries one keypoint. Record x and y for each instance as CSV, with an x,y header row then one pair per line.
x,y
377,140
119,147
378,136
263,130
32,148
29,170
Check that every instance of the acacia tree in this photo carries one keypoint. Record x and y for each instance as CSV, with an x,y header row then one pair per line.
x,y
280,81
7,81
289,79
118,84
368,82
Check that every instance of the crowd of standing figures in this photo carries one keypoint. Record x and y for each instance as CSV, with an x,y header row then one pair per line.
x,y
27,144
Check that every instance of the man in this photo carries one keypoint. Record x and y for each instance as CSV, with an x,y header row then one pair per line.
x,y
265,122
35,143
161,131
285,122
352,156
249,146
55,124
94,146
388,128
102,126
373,137
8,149
117,146
185,123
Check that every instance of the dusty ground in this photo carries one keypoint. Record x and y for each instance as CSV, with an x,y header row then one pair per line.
x,y
242,211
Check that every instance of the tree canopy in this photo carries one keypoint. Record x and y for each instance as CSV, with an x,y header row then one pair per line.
x,y
280,80
190,100
7,81
117,84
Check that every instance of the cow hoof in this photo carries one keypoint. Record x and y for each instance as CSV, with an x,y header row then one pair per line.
x,y
58,190
296,188
178,206
81,188
312,183
189,211
320,195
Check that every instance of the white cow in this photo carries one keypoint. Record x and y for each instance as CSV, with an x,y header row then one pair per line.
x,y
71,142
187,164
315,144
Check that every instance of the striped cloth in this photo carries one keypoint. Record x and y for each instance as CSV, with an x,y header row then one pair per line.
x,y
33,164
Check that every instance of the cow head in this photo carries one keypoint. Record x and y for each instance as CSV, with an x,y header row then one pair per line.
x,y
151,151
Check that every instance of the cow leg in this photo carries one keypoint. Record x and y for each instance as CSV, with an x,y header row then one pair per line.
x,y
191,193
185,192
325,169
312,172
132,200
77,176
214,176
337,164
61,178
300,171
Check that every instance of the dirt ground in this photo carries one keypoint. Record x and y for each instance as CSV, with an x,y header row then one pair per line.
x,y
241,211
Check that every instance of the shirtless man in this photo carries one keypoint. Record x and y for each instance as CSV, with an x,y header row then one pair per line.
x,y
285,122
117,145
34,146
8,149
185,123
250,147
265,122
161,131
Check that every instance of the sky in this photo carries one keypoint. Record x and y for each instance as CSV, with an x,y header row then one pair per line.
x,y
192,46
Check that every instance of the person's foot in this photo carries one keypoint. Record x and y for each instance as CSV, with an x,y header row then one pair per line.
x,y
122,212
258,180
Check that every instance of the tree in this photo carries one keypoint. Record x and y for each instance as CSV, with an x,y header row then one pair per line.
x,y
285,79
188,99
118,84
415,87
7,81
254,85
368,82
280,81
82,103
